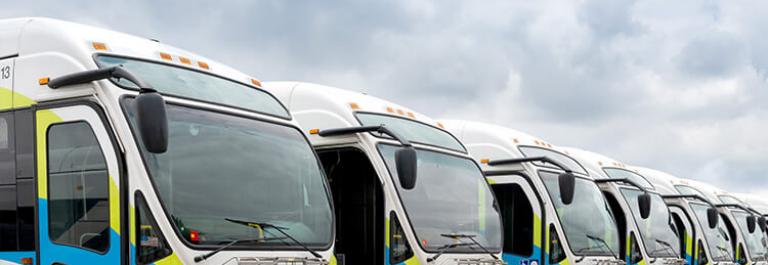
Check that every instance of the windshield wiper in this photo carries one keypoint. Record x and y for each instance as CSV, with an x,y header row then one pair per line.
x,y
262,225
668,246
232,243
445,247
725,256
471,238
598,239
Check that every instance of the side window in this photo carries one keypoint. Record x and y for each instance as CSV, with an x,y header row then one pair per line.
x,y
150,242
78,187
7,181
556,250
400,251
517,215
17,231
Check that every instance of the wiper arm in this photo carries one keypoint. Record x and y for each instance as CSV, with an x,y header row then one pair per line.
x,y
598,239
471,238
667,245
231,243
445,247
258,225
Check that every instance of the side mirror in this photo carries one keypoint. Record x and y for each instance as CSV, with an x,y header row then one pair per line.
x,y
712,217
405,161
644,203
567,183
751,223
761,222
152,122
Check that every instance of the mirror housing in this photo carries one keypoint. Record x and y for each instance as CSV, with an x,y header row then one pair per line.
x,y
405,161
151,121
751,223
567,183
712,217
761,222
644,204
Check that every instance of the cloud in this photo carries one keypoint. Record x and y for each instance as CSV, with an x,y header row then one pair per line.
x,y
679,86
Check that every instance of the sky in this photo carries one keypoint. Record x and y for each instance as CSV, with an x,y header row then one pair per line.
x,y
678,86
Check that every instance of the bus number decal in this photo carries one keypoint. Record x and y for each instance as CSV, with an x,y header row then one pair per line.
x,y
5,72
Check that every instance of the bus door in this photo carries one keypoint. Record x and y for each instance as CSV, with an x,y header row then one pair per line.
x,y
78,188
521,213
685,232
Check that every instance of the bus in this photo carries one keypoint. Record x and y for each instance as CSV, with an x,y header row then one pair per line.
x,y
405,190
645,224
553,211
742,223
758,205
117,149
704,237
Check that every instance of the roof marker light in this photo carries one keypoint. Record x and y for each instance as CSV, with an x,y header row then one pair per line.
x,y
43,81
390,110
410,114
354,106
166,56
440,125
100,46
203,65
314,131
185,60
515,140
256,82
484,160
400,112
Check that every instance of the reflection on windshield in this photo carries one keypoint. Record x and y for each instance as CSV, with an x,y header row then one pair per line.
x,y
754,240
618,173
219,166
587,221
451,197
717,238
658,237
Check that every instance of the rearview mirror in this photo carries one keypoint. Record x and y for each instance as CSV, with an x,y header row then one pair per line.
x,y
567,183
712,217
751,223
644,203
405,161
152,122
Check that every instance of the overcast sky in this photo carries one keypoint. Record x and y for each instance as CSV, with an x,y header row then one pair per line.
x,y
678,86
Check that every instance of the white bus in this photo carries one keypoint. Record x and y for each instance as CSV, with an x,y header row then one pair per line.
x,y
553,211
741,221
704,235
405,190
645,223
116,149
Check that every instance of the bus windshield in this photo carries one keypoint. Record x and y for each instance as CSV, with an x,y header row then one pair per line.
x,y
754,240
659,237
181,82
587,222
618,173
451,196
565,160
717,238
220,166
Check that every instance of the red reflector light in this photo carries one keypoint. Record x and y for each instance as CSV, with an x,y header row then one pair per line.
x,y
26,261
194,236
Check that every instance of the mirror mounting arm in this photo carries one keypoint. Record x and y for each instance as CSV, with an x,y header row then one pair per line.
x,y
99,74
361,129
625,180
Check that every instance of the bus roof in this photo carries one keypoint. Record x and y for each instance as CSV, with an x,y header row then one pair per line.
x,y
593,161
755,201
662,181
74,46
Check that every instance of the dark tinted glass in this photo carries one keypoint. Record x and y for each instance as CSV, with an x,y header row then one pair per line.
x,y
7,154
78,188
25,144
25,194
7,218
150,244
400,251
517,215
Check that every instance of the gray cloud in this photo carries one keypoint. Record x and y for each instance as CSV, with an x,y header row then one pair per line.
x,y
674,85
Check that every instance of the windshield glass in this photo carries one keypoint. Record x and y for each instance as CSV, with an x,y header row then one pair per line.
x,y
718,240
219,166
412,131
177,81
587,221
755,241
565,160
687,190
730,200
451,196
659,237
618,173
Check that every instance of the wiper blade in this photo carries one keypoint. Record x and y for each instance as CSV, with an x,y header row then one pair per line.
x,y
598,239
232,243
445,247
262,225
667,245
471,238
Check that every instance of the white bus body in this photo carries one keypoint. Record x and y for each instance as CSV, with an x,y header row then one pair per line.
x,y
690,210
82,188
646,240
540,227
380,221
